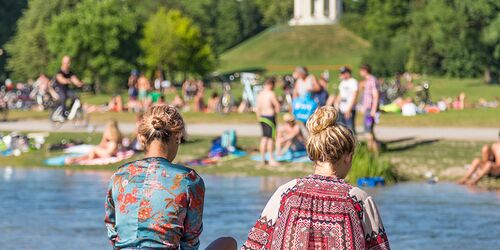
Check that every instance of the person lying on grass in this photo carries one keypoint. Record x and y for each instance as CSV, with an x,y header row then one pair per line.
x,y
108,147
321,211
488,164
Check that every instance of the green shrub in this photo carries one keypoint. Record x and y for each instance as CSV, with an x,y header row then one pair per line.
x,y
366,164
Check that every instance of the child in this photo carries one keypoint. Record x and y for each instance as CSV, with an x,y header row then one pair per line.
x,y
267,108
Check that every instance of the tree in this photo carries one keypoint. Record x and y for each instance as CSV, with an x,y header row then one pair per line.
x,y
28,51
449,34
275,11
95,33
10,11
172,42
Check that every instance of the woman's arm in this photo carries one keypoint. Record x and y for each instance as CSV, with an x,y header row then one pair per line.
x,y
193,223
109,219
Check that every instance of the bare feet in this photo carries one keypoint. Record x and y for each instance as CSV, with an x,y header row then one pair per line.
x,y
462,181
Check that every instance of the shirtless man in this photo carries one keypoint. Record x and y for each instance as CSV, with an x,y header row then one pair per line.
x,y
267,108
489,164
289,136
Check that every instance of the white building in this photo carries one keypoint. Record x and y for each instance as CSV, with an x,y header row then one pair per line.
x,y
316,12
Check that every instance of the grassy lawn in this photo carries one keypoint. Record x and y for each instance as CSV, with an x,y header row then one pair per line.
x,y
446,159
279,49
411,159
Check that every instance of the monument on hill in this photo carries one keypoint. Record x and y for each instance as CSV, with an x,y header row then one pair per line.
x,y
316,12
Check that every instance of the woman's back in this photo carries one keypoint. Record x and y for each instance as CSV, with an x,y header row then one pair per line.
x,y
154,203
318,212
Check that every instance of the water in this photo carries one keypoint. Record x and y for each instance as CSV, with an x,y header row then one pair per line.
x,y
57,209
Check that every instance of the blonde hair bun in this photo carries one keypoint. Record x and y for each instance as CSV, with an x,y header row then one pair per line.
x,y
322,119
158,123
328,141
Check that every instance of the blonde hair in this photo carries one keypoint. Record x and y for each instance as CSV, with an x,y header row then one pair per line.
x,y
113,132
160,122
328,141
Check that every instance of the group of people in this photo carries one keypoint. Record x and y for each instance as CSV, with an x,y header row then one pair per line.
x,y
153,203
308,89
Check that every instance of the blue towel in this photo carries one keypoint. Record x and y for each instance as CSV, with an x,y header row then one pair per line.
x,y
289,156
59,160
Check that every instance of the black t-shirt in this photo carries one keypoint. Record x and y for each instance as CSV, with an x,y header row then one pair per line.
x,y
66,75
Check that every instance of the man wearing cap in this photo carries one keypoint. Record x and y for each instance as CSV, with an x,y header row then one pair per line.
x,y
346,100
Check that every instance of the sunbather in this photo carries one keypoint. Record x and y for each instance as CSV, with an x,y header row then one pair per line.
x,y
108,147
488,164
289,136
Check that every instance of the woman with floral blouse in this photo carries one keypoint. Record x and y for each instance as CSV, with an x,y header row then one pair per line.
x,y
153,203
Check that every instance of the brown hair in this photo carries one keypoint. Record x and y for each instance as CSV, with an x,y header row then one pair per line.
x,y
328,141
160,122
366,67
271,81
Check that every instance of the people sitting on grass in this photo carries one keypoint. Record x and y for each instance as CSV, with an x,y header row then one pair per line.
x,y
488,164
152,203
178,102
321,211
267,109
290,136
108,147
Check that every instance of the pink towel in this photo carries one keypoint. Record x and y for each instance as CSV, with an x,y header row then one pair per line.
x,y
120,156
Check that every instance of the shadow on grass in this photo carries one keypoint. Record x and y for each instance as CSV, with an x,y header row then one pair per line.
x,y
407,146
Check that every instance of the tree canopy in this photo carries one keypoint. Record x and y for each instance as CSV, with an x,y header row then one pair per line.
x,y
96,35
173,42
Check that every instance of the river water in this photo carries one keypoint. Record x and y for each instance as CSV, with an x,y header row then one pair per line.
x,y
58,209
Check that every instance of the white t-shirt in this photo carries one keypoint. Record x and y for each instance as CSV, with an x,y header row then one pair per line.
x,y
346,90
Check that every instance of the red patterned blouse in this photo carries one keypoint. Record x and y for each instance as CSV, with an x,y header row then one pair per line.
x,y
318,212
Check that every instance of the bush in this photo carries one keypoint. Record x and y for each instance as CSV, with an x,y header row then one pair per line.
x,y
366,164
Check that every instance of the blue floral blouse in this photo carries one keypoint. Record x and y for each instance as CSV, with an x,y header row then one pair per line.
x,y
154,203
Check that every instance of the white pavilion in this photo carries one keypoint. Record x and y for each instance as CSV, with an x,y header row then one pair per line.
x,y
316,12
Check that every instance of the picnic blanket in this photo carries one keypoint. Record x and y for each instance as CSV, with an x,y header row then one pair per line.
x,y
289,156
79,149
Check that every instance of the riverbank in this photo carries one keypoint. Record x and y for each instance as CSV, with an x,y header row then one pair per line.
x,y
411,159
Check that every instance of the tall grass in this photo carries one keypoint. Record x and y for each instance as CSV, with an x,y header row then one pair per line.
x,y
365,164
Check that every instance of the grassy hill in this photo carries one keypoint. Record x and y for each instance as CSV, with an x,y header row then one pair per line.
x,y
281,48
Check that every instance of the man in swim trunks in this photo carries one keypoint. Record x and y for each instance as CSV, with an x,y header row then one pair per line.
x,y
266,110
489,164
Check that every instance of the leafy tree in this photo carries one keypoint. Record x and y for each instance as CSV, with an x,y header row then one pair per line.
x,y
172,42
275,11
449,34
95,33
10,11
28,51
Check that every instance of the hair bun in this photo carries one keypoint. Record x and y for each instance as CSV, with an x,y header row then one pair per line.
x,y
158,123
323,118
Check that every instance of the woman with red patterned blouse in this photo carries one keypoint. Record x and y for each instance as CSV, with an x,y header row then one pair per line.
x,y
321,211
153,203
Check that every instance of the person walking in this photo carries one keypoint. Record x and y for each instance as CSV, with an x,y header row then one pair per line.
x,y
321,211
370,103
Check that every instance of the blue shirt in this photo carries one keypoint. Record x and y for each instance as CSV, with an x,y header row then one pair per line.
x,y
154,203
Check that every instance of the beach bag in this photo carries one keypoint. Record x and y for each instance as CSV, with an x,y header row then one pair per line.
x,y
217,150
303,107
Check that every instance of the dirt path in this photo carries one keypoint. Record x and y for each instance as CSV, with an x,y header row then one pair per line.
x,y
384,133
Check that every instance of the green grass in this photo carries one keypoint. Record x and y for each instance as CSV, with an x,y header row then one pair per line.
x,y
404,160
445,159
280,48
197,148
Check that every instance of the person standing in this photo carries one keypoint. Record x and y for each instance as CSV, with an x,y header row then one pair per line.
x,y
267,109
305,84
370,103
64,79
345,102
